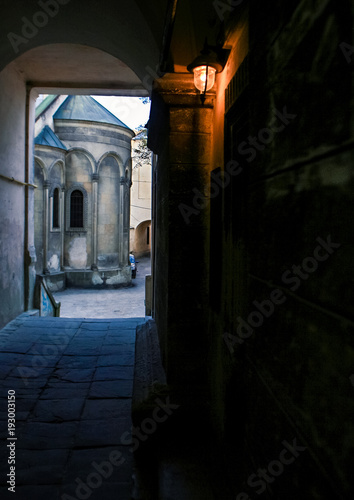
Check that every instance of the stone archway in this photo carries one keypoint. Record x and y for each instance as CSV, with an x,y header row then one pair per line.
x,y
142,239
55,68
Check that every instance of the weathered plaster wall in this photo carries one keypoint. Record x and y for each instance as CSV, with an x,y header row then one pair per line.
x,y
12,207
77,256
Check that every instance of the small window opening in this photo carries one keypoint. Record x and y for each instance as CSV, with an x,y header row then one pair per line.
x,y
56,209
77,209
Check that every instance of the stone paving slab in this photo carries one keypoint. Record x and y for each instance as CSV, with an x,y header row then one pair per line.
x,y
107,432
17,347
26,492
126,359
96,326
98,491
24,387
111,389
22,336
27,371
82,350
67,361
112,349
73,381
5,370
40,466
74,374
117,341
64,391
114,373
44,435
115,462
105,408
57,410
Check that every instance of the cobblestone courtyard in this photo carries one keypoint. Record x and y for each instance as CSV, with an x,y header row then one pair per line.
x,y
126,302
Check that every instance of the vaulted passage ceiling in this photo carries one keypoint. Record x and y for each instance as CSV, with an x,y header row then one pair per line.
x,y
112,45
78,66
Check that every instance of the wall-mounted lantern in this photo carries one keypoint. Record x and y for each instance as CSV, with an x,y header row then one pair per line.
x,y
205,66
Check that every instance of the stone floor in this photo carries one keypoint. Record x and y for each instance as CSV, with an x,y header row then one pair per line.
x,y
73,383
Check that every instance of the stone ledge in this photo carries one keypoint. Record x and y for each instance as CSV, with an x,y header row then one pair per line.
x,y
102,278
56,281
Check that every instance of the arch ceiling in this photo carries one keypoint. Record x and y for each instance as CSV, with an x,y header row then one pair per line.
x,y
126,41
77,66
107,46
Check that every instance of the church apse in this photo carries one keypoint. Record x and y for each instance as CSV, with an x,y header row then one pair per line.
x,y
84,196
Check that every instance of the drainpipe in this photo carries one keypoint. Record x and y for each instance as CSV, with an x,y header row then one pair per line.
x,y
167,35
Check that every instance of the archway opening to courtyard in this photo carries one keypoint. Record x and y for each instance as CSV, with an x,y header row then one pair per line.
x,y
93,176
79,156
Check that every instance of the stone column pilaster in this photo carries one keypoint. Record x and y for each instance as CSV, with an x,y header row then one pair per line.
x,y
62,226
122,253
94,266
180,133
46,187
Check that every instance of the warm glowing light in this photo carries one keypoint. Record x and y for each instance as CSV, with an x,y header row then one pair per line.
x,y
205,66
202,81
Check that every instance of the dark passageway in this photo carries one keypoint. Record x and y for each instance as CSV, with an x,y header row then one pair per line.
x,y
251,242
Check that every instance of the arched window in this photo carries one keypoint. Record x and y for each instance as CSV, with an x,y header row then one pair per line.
x,y
55,215
77,209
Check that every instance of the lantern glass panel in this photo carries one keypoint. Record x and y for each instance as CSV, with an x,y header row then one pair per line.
x,y
200,76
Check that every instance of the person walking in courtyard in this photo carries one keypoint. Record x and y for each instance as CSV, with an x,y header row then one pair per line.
x,y
132,264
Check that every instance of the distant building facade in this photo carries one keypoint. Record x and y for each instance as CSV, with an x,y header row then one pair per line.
x,y
140,210
82,204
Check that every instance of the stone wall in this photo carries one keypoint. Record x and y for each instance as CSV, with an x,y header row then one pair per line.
x,y
281,350
183,142
12,196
